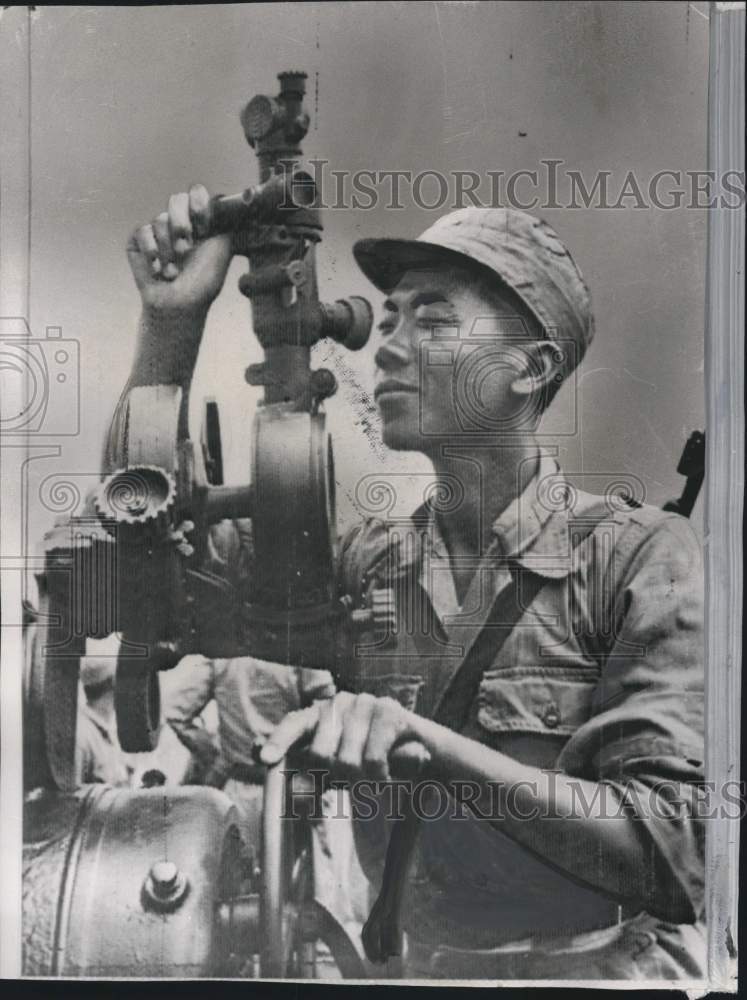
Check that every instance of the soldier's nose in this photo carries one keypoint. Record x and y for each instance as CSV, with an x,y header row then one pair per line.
x,y
392,356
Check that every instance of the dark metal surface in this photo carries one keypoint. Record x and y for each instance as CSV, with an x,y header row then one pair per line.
x,y
78,595
692,467
137,703
50,703
155,883
211,444
49,835
293,609
89,861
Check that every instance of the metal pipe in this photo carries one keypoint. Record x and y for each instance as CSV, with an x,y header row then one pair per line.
x,y
223,502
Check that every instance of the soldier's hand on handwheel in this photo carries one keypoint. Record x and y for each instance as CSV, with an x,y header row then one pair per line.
x,y
178,538
177,268
351,735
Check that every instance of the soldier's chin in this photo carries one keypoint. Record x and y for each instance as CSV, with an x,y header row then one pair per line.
x,y
401,436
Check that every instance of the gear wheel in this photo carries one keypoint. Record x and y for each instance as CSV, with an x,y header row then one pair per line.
x,y
138,500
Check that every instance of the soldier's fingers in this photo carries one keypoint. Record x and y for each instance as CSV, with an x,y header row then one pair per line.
x,y
323,749
199,210
180,224
385,729
295,727
162,234
357,723
145,243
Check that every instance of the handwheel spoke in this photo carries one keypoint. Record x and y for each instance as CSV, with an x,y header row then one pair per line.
x,y
295,927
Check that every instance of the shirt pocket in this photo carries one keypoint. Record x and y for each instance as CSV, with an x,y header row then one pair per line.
x,y
546,700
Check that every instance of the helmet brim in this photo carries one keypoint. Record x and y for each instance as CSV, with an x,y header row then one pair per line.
x,y
385,260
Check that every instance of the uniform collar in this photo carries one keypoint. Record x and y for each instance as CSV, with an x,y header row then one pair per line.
x,y
532,531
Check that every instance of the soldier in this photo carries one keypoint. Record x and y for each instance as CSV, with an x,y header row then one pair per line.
x,y
251,698
595,692
99,757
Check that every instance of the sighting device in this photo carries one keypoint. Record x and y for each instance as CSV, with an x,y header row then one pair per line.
x,y
285,606
168,865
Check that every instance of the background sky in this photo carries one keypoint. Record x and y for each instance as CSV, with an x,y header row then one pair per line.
x,y
131,104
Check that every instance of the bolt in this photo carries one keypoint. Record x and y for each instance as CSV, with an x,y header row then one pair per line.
x,y
296,273
164,875
165,887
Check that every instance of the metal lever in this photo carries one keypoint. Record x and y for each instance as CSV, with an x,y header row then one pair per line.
x,y
408,761
382,933
289,190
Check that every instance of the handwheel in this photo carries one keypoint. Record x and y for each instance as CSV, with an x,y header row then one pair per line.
x,y
137,694
137,702
296,930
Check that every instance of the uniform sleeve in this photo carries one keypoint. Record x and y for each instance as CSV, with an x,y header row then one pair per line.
x,y
645,735
186,691
363,548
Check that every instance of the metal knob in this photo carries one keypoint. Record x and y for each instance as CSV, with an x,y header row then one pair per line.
x,y
165,886
323,383
164,875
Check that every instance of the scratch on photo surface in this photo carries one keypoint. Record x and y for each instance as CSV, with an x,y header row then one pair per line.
x,y
637,378
361,401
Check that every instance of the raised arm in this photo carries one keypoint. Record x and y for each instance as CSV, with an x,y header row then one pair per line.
x,y
178,273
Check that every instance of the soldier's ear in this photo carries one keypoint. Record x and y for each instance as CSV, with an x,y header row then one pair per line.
x,y
543,370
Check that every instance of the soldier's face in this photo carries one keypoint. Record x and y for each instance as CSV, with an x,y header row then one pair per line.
x,y
446,362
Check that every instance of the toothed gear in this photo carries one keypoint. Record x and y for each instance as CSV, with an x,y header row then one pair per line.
x,y
139,499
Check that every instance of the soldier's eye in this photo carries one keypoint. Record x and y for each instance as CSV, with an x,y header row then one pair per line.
x,y
387,325
436,319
